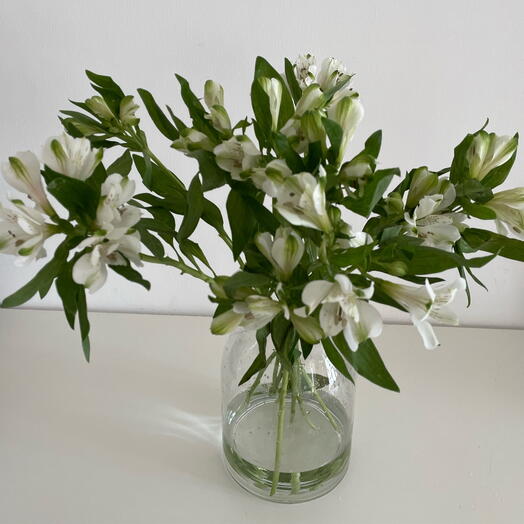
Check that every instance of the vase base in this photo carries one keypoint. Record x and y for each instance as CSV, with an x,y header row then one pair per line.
x,y
315,448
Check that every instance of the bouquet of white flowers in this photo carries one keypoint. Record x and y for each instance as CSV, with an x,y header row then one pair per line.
x,y
306,276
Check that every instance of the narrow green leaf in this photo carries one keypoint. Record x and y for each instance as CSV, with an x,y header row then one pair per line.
x,y
292,81
241,221
132,275
257,365
244,279
84,322
484,240
122,165
195,207
336,359
157,115
367,362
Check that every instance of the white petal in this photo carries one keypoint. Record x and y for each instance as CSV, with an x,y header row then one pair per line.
x,y
314,293
330,319
425,330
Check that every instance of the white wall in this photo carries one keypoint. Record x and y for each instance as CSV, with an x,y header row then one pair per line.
x,y
428,72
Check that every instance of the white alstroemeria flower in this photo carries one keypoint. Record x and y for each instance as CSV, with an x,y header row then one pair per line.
x,y
90,270
352,238
251,314
509,207
439,230
273,89
355,169
330,73
127,111
22,172
213,94
347,113
192,140
236,155
312,127
426,302
297,138
301,200
488,151
70,156
284,251
23,231
344,308
307,327
305,70
271,177
99,107
115,192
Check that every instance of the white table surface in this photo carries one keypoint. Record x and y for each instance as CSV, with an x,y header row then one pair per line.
x,y
134,436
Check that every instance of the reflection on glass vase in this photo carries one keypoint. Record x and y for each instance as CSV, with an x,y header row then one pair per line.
x,y
287,430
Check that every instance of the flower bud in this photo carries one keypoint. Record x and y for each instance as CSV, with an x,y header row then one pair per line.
x,y
192,140
312,127
273,89
355,169
128,109
423,182
488,151
311,99
220,119
330,73
213,94
394,204
99,107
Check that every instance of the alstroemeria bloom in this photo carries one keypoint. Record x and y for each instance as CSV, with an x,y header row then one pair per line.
x,y
252,313
99,107
509,207
271,177
22,172
347,112
236,155
301,200
330,73
284,251
307,327
439,230
423,182
273,89
23,231
90,270
426,302
305,70
70,156
352,238
488,151
344,308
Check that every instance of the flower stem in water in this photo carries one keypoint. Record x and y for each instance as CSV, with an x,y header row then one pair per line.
x,y
280,430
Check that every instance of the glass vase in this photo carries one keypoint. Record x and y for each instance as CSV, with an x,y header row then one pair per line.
x,y
287,430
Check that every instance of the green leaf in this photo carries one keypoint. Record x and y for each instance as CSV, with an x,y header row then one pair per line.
x,y
42,279
280,327
375,187
241,220
106,82
192,250
150,241
212,175
307,347
283,148
373,144
257,365
460,165
336,358
122,165
132,275
195,207
367,362
292,81
196,109
484,240
68,290
84,322
335,134
78,197
478,211
157,115
244,279
474,190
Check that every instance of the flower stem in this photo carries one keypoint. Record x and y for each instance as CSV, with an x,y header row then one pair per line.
x,y
280,430
184,268
259,378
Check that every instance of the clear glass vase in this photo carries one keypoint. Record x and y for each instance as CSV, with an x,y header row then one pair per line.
x,y
287,430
